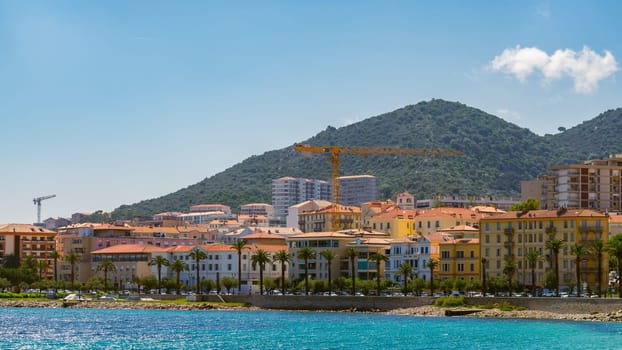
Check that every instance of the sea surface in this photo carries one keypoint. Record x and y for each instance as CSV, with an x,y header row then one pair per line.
x,y
25,328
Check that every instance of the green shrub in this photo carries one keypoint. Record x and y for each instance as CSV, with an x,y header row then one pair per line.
x,y
449,301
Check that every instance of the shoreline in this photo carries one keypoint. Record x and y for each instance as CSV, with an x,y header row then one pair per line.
x,y
426,310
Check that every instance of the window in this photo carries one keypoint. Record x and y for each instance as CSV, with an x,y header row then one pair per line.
x,y
445,254
460,254
472,267
487,226
460,267
445,267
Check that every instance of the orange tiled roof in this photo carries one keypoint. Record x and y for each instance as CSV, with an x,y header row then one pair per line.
x,y
549,214
130,248
320,235
24,229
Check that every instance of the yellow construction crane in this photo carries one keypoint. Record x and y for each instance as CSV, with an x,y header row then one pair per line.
x,y
335,151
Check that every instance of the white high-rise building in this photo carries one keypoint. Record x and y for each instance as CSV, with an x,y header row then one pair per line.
x,y
358,189
288,191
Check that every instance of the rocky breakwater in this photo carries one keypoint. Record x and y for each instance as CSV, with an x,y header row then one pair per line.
x,y
148,305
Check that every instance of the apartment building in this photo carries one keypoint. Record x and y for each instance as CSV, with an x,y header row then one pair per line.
x,y
23,240
293,212
512,235
201,208
459,254
257,209
331,218
288,191
357,189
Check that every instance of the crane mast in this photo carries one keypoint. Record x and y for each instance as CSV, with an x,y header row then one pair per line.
x,y
37,201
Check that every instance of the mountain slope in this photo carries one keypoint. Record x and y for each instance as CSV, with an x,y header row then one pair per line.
x,y
498,155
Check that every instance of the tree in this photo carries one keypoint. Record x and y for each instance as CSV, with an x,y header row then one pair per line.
x,y
283,257
159,261
229,282
56,256
73,259
555,245
509,269
106,265
432,264
533,256
329,255
197,255
178,266
305,254
615,249
579,250
598,248
42,266
239,245
353,254
261,258
529,204
378,258
405,270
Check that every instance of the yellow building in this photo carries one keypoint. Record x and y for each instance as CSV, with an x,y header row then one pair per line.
x,y
459,258
331,218
402,223
512,235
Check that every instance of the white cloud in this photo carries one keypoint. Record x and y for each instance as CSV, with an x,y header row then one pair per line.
x,y
587,68
508,114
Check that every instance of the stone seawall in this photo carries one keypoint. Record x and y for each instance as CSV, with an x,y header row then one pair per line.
x,y
557,305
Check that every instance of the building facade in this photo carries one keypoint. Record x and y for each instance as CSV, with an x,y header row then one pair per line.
x,y
357,189
288,191
510,236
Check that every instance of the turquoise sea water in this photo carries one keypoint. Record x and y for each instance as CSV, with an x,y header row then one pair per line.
x,y
23,328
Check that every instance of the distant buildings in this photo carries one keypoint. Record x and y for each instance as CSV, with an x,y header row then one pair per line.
x,y
358,189
23,241
593,184
288,191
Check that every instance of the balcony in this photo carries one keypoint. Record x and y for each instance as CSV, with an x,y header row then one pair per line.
x,y
508,244
550,230
588,229
508,231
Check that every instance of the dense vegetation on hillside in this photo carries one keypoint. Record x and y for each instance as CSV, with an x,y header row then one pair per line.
x,y
498,155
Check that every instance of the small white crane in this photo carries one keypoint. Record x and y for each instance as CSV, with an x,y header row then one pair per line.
x,y
37,202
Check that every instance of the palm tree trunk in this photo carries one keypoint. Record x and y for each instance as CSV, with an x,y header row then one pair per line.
x,y
239,272
598,268
556,274
260,279
306,277
198,281
283,277
353,277
330,287
578,271
178,282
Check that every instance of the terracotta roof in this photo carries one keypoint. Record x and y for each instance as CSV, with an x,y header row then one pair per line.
x,y
615,218
24,229
548,214
263,235
147,229
320,235
130,248
460,228
335,208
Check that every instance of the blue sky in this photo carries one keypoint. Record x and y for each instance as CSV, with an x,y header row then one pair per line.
x,y
106,103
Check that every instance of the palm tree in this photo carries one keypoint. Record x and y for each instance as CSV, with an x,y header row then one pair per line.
x,y
198,255
378,258
106,265
555,245
615,249
579,250
261,258
484,262
306,253
509,269
283,257
353,254
532,258
432,264
598,248
239,246
42,265
405,270
178,266
159,261
72,259
56,256
329,255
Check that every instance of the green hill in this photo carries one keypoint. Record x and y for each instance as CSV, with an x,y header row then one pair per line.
x,y
498,155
